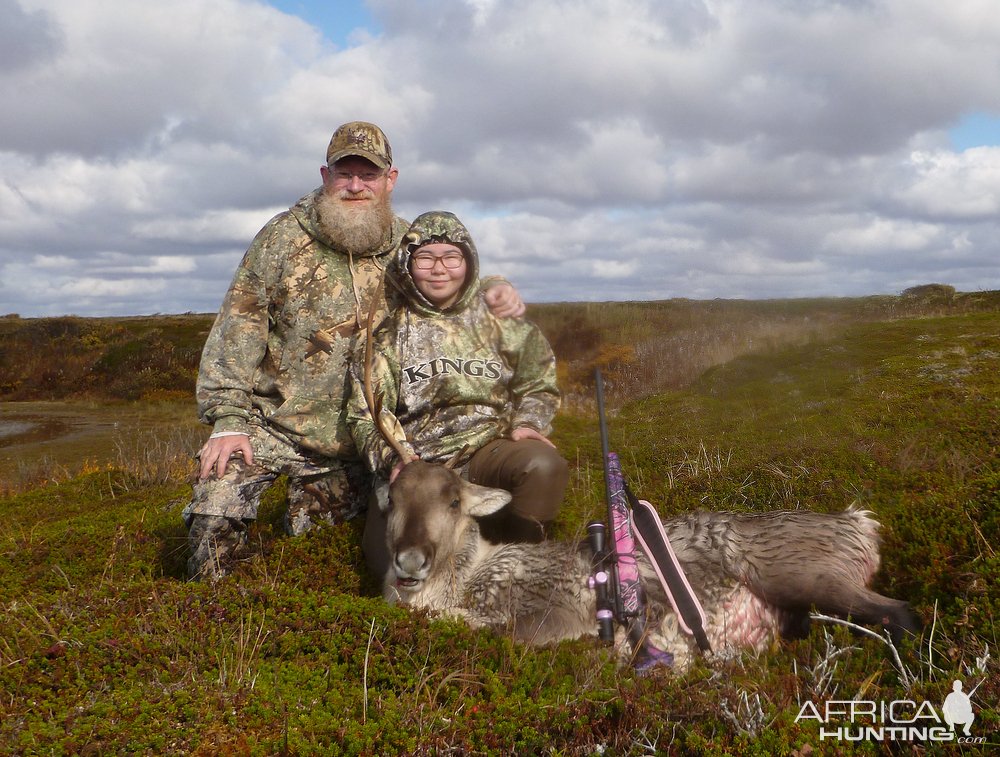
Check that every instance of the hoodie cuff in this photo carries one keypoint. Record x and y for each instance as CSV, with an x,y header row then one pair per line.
x,y
229,424
488,282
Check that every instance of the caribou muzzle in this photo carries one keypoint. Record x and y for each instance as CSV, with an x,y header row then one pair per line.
x,y
411,567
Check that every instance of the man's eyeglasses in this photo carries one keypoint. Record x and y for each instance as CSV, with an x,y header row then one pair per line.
x,y
427,262
367,177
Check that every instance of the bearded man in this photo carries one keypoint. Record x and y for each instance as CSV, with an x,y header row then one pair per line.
x,y
274,368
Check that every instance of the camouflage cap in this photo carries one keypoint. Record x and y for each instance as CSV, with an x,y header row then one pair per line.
x,y
362,139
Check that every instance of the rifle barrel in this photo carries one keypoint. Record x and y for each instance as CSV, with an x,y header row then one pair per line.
x,y
602,421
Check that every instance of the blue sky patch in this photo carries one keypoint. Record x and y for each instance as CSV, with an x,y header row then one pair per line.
x,y
335,18
976,130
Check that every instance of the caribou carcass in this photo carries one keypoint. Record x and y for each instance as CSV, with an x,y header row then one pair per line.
x,y
757,575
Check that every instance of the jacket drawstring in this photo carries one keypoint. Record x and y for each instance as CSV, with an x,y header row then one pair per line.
x,y
354,288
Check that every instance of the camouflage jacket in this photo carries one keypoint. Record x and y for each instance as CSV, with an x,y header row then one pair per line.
x,y
451,378
278,352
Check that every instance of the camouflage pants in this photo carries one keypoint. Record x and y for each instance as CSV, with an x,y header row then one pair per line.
x,y
325,490
534,473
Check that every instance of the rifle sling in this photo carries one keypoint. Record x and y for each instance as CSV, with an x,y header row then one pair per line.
x,y
653,539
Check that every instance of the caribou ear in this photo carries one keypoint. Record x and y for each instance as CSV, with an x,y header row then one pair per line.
x,y
482,500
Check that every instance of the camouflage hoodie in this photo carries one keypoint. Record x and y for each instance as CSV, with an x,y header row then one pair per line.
x,y
452,377
278,352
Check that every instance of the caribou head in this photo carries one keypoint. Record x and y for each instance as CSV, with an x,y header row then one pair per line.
x,y
431,511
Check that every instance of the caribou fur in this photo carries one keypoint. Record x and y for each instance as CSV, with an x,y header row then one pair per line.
x,y
757,575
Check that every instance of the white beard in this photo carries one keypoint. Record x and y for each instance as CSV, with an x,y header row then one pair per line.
x,y
354,230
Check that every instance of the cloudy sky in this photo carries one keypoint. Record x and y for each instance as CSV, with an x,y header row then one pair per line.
x,y
597,149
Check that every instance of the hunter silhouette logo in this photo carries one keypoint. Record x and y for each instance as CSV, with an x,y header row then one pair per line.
x,y
957,709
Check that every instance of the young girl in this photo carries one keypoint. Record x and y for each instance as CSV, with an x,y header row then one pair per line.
x,y
454,376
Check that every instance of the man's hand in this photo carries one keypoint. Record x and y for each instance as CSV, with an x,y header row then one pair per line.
x,y
523,432
504,301
217,451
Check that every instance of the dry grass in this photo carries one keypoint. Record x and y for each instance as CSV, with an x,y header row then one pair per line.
x,y
649,347
158,454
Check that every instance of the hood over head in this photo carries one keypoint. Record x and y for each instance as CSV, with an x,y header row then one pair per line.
x,y
429,228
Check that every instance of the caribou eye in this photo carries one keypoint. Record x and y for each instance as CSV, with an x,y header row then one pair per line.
x,y
455,504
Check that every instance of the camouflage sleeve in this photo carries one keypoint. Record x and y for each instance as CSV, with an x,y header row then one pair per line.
x,y
488,282
373,449
533,389
238,340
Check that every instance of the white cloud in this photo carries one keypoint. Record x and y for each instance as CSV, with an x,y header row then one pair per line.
x,y
52,262
597,149
92,288
882,235
118,263
212,226
960,186
614,269
127,69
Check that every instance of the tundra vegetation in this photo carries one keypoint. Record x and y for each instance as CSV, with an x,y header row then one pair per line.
x,y
892,403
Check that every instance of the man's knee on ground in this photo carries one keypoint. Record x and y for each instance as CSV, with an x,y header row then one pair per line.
x,y
213,541
333,497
